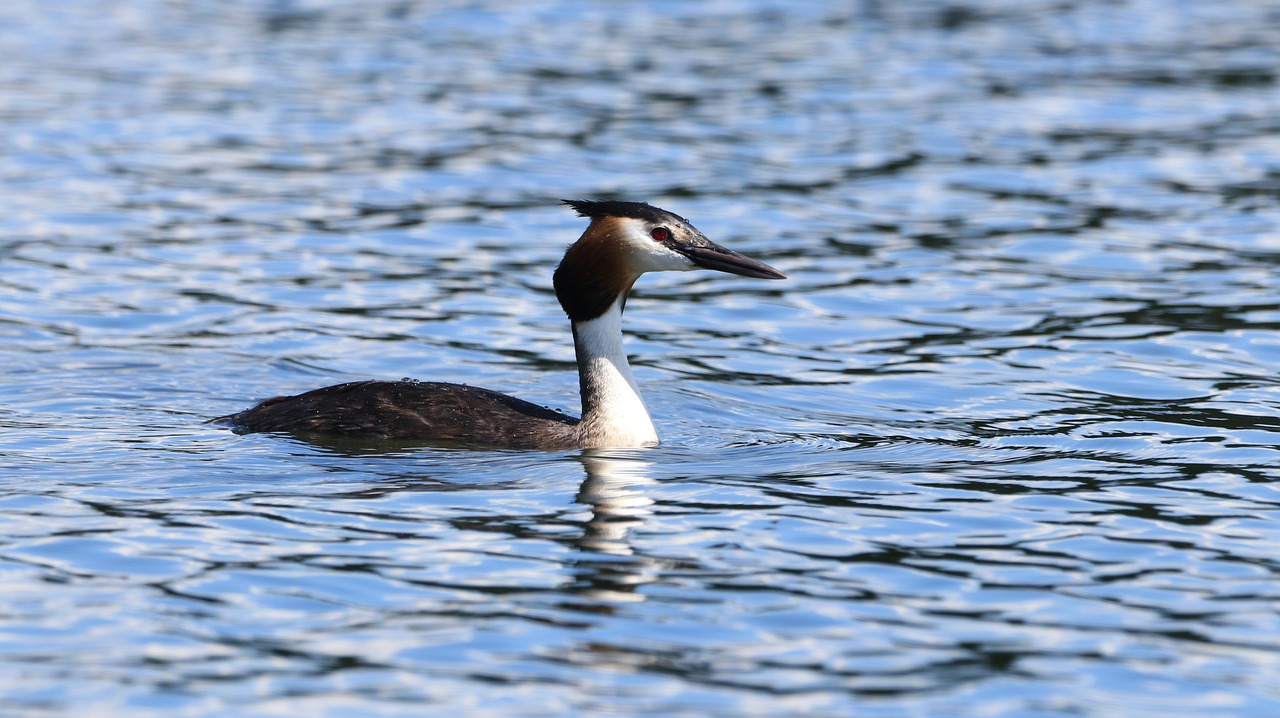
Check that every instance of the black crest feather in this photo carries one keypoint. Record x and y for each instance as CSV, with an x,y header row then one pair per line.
x,y
617,208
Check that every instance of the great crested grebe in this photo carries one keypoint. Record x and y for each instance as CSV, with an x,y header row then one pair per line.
x,y
623,241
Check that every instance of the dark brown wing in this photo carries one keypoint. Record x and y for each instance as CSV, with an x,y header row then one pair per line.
x,y
412,410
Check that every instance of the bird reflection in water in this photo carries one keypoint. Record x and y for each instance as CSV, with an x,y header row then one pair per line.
x,y
605,571
609,570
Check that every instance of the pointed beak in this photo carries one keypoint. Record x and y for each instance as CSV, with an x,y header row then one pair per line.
x,y
713,256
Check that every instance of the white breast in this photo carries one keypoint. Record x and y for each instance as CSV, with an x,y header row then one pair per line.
x,y
613,414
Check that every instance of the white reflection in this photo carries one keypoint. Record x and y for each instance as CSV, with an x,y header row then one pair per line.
x,y
609,569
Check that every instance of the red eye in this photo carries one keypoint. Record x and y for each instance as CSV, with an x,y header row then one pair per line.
x,y
661,234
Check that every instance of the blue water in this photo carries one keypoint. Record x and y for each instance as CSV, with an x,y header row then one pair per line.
x,y
1004,444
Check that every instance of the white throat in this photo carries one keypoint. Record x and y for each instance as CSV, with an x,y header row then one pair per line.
x,y
613,414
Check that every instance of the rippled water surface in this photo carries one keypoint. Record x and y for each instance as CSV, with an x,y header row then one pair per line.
x,y
1004,444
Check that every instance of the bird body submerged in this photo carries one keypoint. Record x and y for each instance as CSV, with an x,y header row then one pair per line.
x,y
407,409
623,241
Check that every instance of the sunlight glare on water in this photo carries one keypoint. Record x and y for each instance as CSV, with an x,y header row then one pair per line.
x,y
1004,443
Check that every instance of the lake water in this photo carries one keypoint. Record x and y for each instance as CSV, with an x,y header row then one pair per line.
x,y
1004,444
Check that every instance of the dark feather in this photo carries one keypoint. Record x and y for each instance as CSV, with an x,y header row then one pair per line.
x,y
447,413
616,208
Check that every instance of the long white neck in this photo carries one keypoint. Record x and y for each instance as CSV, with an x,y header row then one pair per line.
x,y
613,414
